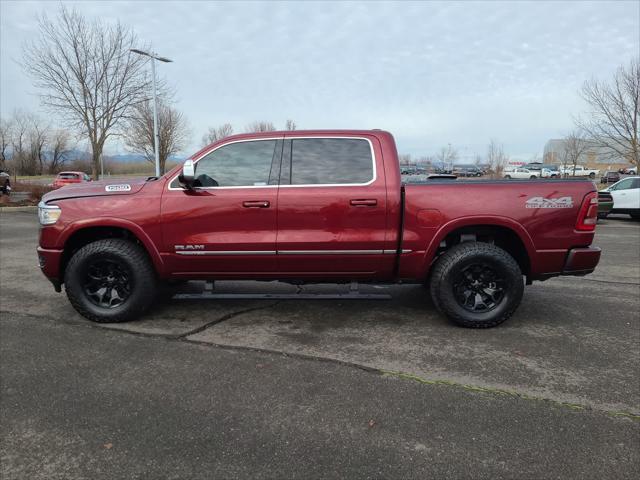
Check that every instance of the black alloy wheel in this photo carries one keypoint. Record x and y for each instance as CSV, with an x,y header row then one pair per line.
x,y
479,288
107,283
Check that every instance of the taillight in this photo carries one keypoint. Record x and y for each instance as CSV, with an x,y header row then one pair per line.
x,y
588,215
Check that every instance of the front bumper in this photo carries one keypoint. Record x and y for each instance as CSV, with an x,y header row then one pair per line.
x,y
581,261
49,262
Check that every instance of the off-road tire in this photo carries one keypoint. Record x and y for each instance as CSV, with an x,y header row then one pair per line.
x,y
448,267
142,275
592,175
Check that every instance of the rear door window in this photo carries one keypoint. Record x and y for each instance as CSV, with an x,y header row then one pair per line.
x,y
330,161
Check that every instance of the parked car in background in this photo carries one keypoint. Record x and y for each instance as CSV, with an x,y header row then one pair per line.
x,y
547,170
605,204
610,177
631,171
521,172
579,171
626,196
467,171
68,178
5,183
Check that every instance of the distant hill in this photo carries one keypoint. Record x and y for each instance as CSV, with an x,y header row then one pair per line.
x,y
76,154
137,158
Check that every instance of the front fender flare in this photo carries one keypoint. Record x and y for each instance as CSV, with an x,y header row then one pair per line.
x,y
106,222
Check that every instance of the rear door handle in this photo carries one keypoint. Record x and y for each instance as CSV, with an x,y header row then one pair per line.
x,y
256,204
365,202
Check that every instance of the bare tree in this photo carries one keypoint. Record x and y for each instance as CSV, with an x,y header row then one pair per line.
x,y
60,146
172,132
87,73
424,161
404,159
38,137
447,155
20,140
6,132
217,133
290,125
613,120
496,157
260,126
575,145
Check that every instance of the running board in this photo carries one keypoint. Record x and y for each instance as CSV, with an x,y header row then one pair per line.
x,y
353,294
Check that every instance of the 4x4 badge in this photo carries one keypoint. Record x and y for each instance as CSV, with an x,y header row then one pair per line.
x,y
541,202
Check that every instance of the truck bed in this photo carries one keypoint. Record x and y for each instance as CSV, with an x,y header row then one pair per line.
x,y
542,213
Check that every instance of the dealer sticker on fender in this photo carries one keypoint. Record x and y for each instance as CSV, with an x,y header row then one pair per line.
x,y
123,187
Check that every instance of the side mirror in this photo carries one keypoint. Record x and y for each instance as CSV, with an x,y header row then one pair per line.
x,y
188,174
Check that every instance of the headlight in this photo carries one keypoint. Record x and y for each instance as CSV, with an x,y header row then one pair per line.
x,y
48,214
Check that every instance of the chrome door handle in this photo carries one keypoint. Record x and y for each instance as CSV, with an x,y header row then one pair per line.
x,y
365,202
256,204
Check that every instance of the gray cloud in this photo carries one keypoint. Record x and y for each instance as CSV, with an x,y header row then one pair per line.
x,y
431,73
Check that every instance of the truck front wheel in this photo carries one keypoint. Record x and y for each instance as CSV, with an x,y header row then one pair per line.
x,y
476,284
110,280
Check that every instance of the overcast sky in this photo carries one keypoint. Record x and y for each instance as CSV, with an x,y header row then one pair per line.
x,y
431,73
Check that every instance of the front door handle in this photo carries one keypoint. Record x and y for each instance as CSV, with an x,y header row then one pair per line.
x,y
365,202
256,204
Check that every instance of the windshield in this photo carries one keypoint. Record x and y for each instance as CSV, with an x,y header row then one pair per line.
x,y
68,176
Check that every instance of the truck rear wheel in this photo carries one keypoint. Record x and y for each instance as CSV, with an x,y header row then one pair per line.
x,y
110,280
476,285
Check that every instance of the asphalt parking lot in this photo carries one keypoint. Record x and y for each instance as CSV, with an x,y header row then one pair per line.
x,y
263,388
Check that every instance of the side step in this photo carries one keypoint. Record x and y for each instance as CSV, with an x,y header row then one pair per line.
x,y
353,294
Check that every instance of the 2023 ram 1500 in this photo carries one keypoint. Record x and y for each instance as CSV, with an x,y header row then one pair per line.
x,y
316,206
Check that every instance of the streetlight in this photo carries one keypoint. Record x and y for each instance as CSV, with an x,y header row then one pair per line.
x,y
156,140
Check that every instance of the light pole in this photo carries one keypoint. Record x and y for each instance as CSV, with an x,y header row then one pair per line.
x,y
156,139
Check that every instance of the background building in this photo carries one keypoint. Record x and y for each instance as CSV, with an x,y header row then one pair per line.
x,y
594,156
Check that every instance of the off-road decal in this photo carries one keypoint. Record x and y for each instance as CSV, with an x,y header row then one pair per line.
x,y
541,202
123,187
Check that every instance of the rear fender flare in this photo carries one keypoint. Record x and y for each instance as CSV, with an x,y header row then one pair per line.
x,y
470,221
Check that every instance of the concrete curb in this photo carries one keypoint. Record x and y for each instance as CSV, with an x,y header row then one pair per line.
x,y
27,208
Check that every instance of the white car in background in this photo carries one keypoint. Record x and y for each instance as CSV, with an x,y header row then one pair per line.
x,y
579,171
626,196
521,172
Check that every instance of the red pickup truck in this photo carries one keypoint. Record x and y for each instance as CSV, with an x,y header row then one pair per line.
x,y
314,206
